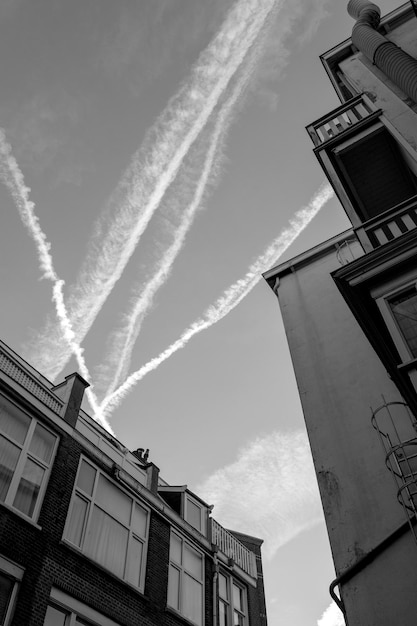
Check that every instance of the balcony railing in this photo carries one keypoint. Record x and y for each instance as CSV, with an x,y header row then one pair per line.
x,y
340,120
393,223
233,548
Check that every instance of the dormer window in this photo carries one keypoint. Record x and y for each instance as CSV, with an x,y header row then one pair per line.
x,y
189,506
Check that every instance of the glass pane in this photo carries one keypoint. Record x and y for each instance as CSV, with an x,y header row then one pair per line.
x,y
9,455
77,521
86,477
139,522
192,596
193,562
223,587
237,598
174,588
113,500
13,422
42,443
404,307
28,490
193,514
55,617
223,614
134,563
237,619
6,588
175,550
106,542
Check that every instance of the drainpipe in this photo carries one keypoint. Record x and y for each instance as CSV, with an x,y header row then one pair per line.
x,y
396,64
215,577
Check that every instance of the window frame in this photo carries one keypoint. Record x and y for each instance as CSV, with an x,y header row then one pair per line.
x,y
183,571
15,574
203,514
91,505
63,601
383,303
232,581
25,454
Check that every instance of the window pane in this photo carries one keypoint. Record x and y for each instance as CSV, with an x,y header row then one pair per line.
x,y
28,490
404,308
6,588
237,619
193,562
77,520
106,542
134,562
223,614
13,422
139,522
113,500
223,587
86,478
173,587
193,514
237,598
42,443
175,549
192,606
54,617
9,455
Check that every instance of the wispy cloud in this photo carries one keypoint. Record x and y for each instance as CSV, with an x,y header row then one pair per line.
x,y
12,177
332,616
270,488
232,296
152,170
205,157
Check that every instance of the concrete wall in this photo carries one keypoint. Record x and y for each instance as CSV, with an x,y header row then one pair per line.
x,y
340,378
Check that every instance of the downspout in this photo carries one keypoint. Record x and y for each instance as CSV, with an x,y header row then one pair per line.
x,y
396,64
215,577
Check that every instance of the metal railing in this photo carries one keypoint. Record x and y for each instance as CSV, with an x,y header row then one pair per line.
x,y
233,548
339,120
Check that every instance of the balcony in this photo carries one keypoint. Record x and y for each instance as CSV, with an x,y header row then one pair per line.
x,y
233,548
393,223
340,120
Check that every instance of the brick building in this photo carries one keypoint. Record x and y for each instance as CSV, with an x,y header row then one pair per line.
x,y
91,535
349,307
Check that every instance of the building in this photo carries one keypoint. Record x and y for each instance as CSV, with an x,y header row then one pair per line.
x,y
91,535
349,308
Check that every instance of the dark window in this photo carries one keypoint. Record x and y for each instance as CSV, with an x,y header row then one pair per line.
x,y
404,309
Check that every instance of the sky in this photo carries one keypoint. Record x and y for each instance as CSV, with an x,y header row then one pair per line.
x,y
165,149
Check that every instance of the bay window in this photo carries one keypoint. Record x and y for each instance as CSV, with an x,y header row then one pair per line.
x,y
186,579
27,450
108,525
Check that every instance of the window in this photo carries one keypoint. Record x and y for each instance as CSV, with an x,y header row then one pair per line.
x,y
10,575
195,514
185,581
107,525
232,602
404,309
64,610
27,449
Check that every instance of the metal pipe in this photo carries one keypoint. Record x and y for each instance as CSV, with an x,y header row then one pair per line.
x,y
396,64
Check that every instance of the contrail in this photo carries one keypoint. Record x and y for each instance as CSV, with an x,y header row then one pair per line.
x,y
124,338
154,167
231,297
12,177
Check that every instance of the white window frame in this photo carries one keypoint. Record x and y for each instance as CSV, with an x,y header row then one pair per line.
x,y
15,574
90,500
228,602
20,466
203,514
182,571
76,608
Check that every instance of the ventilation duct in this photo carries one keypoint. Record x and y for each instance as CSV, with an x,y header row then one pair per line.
x,y
396,64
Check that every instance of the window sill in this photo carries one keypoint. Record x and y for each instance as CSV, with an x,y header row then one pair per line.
x,y
22,516
409,365
169,609
103,569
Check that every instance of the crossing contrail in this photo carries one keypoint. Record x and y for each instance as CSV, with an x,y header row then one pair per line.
x,y
124,338
12,177
152,170
231,297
